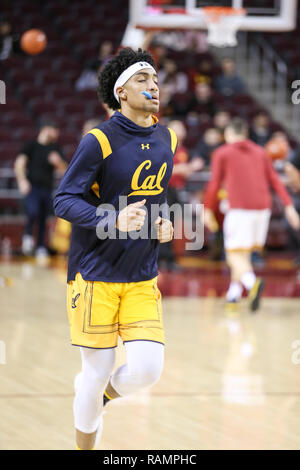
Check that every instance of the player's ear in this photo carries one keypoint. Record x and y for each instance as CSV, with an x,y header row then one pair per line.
x,y
122,93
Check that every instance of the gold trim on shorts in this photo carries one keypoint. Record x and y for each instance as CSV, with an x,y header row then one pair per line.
x,y
99,312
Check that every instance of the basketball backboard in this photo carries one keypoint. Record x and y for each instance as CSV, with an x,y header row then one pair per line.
x,y
262,15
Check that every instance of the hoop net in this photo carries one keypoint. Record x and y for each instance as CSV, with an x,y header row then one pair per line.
x,y
223,24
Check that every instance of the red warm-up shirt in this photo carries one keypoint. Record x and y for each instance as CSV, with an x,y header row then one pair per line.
x,y
248,175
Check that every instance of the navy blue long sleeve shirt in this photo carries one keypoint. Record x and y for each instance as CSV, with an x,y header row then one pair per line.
x,y
117,158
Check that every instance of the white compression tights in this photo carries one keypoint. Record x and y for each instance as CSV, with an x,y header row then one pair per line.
x,y
144,364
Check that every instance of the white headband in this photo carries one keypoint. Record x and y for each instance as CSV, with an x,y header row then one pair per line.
x,y
127,74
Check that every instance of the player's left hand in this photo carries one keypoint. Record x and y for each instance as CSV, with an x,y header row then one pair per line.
x,y
164,229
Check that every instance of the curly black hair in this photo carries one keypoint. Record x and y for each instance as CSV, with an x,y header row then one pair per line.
x,y
111,72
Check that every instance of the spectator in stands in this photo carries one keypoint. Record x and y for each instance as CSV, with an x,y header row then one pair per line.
x,y
8,40
292,171
195,41
260,130
202,73
160,54
182,169
171,79
34,169
229,83
209,142
221,120
89,124
202,102
94,122
158,51
106,51
167,107
88,79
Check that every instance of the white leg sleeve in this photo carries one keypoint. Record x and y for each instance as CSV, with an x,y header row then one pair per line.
x,y
143,367
97,365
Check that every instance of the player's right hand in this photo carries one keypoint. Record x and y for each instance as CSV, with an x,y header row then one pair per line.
x,y
24,186
131,217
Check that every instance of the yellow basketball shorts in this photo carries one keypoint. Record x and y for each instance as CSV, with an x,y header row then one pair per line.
x,y
100,311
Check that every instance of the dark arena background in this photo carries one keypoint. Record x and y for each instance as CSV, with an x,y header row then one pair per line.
x,y
231,378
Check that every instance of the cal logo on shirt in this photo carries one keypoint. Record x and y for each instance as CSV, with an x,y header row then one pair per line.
x,y
144,183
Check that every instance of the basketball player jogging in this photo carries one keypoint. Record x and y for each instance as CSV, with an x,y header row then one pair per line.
x,y
112,281
247,173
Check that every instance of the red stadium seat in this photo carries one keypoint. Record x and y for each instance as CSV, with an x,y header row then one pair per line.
x,y
39,63
10,150
24,134
242,99
13,105
41,106
19,75
70,107
5,134
17,120
66,64
87,95
57,10
61,93
33,93
66,138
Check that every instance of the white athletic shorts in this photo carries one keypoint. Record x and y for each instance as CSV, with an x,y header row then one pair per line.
x,y
246,229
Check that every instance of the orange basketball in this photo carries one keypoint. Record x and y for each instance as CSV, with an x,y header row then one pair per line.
x,y
277,148
33,41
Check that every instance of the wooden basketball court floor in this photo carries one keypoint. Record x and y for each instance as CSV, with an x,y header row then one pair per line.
x,y
229,382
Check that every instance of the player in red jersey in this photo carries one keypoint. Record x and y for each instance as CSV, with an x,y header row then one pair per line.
x,y
248,175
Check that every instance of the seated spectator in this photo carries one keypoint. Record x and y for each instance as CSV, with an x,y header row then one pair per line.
x,y
202,102
89,125
229,83
8,40
210,141
221,120
88,79
170,78
260,130
195,41
106,52
158,51
292,171
202,73
182,169
278,148
183,166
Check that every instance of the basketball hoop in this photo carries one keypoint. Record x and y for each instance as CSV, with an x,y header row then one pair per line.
x,y
223,23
